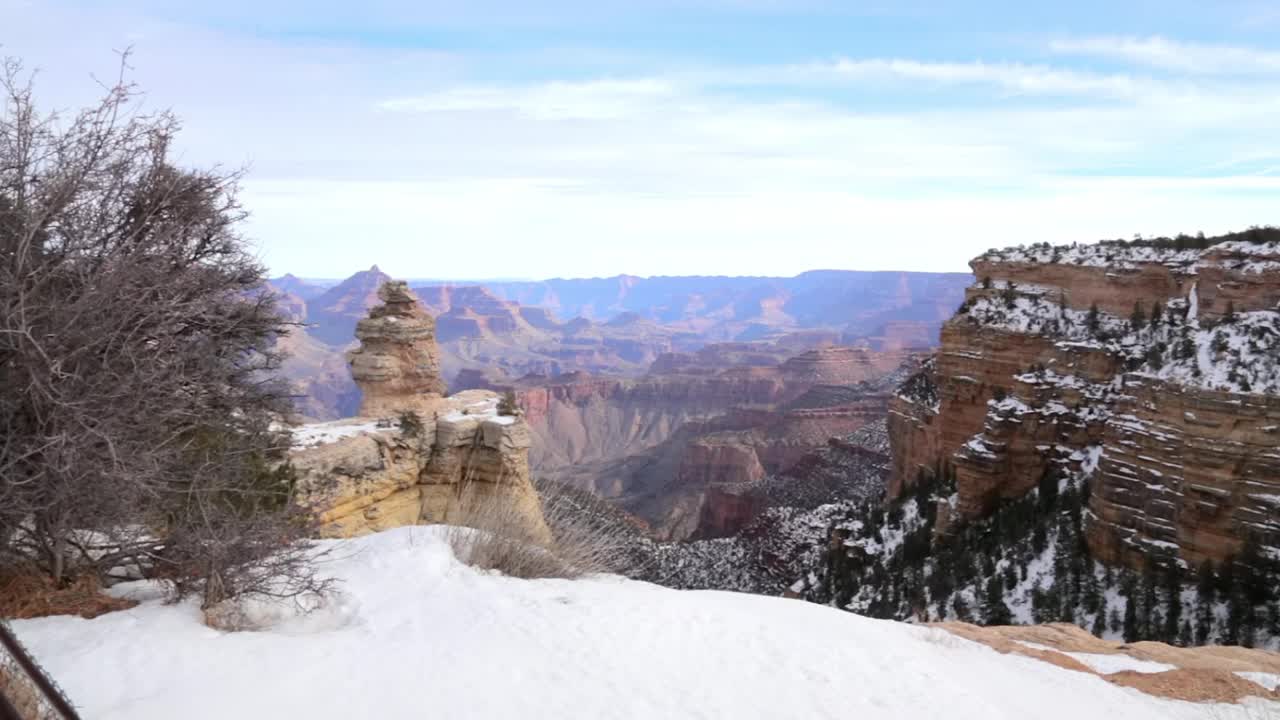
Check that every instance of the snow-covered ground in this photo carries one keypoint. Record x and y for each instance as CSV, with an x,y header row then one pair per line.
x,y
333,431
416,634
1107,664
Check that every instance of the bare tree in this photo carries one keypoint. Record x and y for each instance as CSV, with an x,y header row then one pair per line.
x,y
137,357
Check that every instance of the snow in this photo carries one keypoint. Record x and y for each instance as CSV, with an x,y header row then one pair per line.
x,y
484,410
416,634
1106,663
1241,356
1106,255
1270,681
328,432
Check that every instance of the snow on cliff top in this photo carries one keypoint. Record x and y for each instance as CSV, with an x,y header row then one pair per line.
x,y
327,432
1094,255
1236,254
416,634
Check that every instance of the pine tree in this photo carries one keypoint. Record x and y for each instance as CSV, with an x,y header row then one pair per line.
x,y
1130,619
1009,294
1204,622
1147,609
1138,319
1099,624
1113,621
1173,600
1092,320
1091,594
1129,588
994,609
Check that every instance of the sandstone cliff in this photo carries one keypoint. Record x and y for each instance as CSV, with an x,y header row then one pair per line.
x,y
413,455
1151,368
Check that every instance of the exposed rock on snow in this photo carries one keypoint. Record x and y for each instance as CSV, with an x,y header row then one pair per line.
x,y
376,477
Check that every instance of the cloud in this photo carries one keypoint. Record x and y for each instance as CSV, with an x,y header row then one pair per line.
x,y
1165,54
529,228
591,100
467,163
1014,77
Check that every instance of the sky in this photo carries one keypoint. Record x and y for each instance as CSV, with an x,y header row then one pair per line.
x,y
514,139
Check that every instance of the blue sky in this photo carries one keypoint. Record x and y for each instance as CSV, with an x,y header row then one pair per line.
x,y
518,139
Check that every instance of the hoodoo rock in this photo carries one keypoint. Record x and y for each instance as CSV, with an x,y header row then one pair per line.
x,y
397,365
1150,369
413,456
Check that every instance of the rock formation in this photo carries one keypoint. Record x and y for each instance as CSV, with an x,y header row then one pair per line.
x,y
397,365
413,455
1152,369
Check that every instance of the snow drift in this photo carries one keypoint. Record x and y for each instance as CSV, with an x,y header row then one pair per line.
x,y
416,634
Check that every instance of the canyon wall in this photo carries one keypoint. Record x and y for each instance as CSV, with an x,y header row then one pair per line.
x,y
1151,369
578,418
687,448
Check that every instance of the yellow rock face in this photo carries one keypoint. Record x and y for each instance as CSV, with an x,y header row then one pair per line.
x,y
367,474
360,478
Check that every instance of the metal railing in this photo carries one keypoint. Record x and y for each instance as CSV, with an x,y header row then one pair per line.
x,y
26,692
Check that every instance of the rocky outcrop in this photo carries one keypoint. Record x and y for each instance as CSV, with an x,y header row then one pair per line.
x,y
397,365
363,476
414,456
1152,368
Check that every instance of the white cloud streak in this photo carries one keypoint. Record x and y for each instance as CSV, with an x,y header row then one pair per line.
x,y
1159,52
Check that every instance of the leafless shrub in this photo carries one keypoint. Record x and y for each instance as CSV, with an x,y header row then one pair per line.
x,y
137,356
508,404
491,532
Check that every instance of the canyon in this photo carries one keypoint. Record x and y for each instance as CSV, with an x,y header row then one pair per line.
x,y
496,332
700,454
692,406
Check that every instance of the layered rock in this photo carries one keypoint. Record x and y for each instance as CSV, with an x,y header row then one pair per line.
x,y
1053,365
397,365
700,455
414,456
1187,469
364,476
581,418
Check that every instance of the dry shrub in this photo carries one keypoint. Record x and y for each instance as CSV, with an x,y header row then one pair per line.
x,y
491,532
34,594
